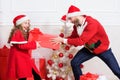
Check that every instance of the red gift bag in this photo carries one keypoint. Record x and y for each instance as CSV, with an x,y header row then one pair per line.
x,y
37,35
89,76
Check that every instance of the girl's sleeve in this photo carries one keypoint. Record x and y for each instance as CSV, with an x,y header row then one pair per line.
x,y
27,46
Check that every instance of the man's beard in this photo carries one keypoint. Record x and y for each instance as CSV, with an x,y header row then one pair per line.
x,y
76,22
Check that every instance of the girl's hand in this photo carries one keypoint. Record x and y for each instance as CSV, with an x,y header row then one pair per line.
x,y
38,44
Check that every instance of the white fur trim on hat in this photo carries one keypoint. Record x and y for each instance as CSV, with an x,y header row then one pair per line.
x,y
63,21
22,20
74,14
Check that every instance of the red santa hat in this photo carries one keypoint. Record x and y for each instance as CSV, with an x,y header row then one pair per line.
x,y
63,18
73,11
19,19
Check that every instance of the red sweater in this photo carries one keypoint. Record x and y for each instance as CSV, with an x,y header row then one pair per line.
x,y
92,33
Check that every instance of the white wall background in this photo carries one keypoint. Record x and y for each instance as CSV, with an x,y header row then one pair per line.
x,y
46,15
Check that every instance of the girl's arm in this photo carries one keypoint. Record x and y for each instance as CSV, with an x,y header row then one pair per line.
x,y
28,45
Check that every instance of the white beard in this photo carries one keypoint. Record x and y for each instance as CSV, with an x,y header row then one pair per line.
x,y
68,29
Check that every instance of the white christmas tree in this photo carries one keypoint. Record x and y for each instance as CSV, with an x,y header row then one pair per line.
x,y
58,65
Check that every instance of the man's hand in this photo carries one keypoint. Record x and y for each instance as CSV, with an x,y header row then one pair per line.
x,y
57,40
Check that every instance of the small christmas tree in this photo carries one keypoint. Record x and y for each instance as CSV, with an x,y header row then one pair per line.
x,y
58,66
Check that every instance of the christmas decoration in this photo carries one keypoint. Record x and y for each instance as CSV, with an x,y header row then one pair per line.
x,y
91,76
58,66
70,56
67,47
61,35
50,62
61,55
81,66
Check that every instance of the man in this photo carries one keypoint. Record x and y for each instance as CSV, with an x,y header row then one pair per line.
x,y
94,39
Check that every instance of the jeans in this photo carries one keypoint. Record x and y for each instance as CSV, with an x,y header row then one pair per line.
x,y
84,55
35,75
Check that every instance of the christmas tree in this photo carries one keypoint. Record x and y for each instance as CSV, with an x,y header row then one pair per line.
x,y
58,65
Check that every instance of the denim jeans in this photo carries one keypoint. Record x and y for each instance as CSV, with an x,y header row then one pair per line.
x,y
84,55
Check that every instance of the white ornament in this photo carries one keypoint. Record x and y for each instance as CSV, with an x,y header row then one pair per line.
x,y
62,69
69,77
49,75
53,77
63,75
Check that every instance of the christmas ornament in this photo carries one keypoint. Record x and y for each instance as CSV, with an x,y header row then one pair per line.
x,y
61,55
61,68
81,66
60,65
69,69
61,78
55,72
61,35
70,56
50,62
50,78
55,56
67,47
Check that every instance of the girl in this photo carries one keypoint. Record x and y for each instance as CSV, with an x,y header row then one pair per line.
x,y
20,65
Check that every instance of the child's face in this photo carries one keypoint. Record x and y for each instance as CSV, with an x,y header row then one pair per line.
x,y
25,25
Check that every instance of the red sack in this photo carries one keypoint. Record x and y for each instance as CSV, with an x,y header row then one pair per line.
x,y
3,62
37,35
42,66
89,76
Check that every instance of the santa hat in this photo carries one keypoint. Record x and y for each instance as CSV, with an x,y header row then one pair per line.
x,y
19,19
63,18
73,11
